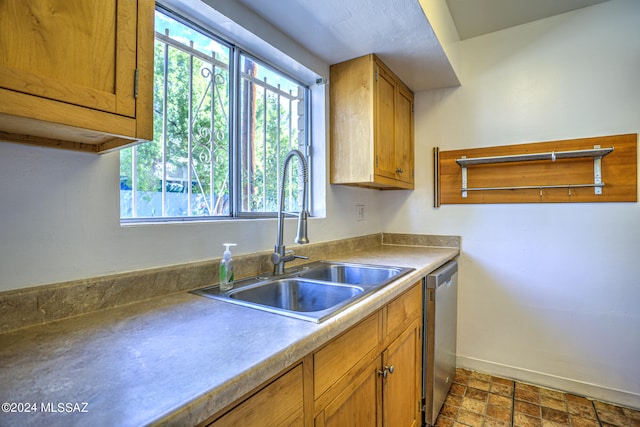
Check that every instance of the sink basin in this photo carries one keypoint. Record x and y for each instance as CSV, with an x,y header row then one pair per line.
x,y
297,294
314,292
354,274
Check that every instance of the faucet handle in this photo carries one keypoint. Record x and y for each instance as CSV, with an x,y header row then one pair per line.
x,y
292,255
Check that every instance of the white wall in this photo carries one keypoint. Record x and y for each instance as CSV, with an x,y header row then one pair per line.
x,y
549,293
59,221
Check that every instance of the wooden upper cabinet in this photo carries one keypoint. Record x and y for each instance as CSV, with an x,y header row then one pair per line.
x,y
76,74
371,126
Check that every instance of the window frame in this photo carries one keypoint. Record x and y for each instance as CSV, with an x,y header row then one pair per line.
x,y
235,166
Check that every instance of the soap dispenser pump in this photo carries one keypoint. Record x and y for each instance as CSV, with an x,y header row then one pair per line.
x,y
226,269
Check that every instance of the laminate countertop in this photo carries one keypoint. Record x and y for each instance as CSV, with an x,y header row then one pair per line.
x,y
174,359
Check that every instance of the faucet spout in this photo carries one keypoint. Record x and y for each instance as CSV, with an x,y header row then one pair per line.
x,y
301,236
279,256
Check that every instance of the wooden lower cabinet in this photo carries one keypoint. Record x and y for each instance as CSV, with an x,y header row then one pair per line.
x,y
280,403
370,375
373,398
382,387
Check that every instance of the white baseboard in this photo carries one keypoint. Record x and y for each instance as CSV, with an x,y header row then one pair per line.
x,y
593,391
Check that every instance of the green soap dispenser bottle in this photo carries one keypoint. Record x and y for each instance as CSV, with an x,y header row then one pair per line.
x,y
226,269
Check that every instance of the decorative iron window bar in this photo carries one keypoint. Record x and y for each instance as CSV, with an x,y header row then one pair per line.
x,y
209,72
596,153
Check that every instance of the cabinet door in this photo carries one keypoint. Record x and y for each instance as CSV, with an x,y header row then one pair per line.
x,y
278,404
358,405
401,388
404,135
385,104
79,52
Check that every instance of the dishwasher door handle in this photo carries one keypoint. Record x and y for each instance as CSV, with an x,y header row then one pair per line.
x,y
443,275
447,283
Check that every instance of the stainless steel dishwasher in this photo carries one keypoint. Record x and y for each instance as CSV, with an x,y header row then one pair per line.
x,y
439,338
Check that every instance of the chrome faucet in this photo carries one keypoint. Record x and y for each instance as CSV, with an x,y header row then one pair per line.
x,y
280,255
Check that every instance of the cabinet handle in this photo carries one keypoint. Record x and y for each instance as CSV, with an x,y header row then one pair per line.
x,y
399,170
387,370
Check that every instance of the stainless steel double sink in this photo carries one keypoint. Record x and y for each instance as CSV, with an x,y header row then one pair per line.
x,y
313,292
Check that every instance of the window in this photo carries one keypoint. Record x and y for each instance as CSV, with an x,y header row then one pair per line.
x,y
223,123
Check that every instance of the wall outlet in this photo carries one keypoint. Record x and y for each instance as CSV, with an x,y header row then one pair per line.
x,y
359,212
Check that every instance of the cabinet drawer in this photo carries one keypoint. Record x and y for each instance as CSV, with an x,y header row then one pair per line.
x,y
404,309
333,361
279,403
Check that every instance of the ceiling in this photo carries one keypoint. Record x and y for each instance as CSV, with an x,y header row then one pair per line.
x,y
398,30
477,17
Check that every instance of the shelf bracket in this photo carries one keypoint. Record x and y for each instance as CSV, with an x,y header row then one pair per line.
x,y
597,172
464,179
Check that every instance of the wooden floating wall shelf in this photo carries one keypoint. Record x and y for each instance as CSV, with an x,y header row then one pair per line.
x,y
597,153
556,171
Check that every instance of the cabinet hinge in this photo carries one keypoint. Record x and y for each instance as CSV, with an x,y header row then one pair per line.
x,y
135,84
376,161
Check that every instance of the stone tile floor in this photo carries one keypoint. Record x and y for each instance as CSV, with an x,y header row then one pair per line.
x,y
480,400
